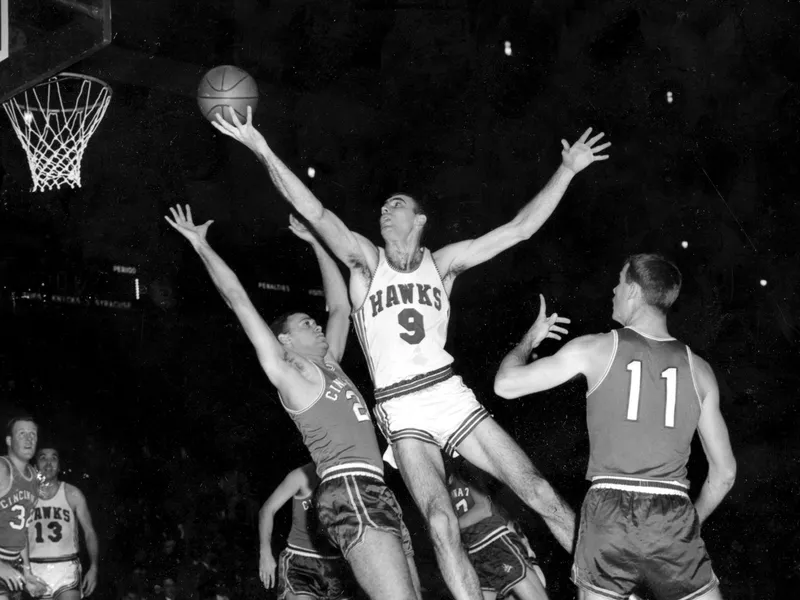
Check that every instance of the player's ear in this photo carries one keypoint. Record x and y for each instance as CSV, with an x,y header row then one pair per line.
x,y
420,220
635,291
8,440
285,339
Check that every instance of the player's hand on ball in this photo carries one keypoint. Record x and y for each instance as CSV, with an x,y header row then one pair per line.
x,y
35,586
183,223
583,153
300,230
242,132
266,569
546,326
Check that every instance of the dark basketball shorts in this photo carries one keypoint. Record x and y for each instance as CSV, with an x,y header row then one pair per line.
x,y
630,538
436,408
498,554
324,578
350,502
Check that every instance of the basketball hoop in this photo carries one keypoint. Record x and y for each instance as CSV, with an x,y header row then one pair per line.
x,y
53,121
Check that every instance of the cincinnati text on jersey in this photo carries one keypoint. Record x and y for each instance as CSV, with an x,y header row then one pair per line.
x,y
19,496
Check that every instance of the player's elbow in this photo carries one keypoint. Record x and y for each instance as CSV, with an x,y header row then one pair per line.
x,y
728,474
504,387
724,473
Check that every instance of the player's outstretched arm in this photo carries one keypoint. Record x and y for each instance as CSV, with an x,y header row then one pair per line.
x,y
459,257
78,503
295,482
338,325
271,353
517,377
716,443
353,249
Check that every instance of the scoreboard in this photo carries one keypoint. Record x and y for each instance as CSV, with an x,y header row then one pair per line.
x,y
101,286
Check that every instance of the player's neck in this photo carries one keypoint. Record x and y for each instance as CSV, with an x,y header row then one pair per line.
x,y
650,323
18,463
403,256
48,488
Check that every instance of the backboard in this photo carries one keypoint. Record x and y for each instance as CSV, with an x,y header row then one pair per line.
x,y
39,38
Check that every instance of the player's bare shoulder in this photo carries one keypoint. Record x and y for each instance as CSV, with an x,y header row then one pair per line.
x,y
593,352
705,381
73,494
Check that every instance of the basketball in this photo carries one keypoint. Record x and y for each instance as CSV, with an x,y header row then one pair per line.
x,y
225,86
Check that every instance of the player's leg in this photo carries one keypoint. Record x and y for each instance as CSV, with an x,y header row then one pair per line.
x,y
422,469
412,569
73,594
380,566
490,448
530,588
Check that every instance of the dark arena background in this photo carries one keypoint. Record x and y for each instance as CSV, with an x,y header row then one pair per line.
x,y
114,338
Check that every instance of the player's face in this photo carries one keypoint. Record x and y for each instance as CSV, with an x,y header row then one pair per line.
x,y
306,337
398,218
47,463
22,441
621,298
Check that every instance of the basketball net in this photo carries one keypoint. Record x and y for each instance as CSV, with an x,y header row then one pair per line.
x,y
54,121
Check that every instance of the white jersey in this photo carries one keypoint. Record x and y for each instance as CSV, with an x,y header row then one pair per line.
x,y
53,534
402,325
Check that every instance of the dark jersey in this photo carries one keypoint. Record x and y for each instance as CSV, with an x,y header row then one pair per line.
x,y
468,499
17,509
336,427
303,535
643,413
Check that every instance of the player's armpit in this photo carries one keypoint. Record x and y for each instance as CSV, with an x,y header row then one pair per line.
x,y
353,249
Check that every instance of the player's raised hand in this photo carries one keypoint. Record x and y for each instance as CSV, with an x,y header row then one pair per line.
x,y
183,223
546,326
297,227
266,569
242,132
583,152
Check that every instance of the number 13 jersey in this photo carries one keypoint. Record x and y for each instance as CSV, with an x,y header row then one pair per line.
x,y
53,536
643,413
402,325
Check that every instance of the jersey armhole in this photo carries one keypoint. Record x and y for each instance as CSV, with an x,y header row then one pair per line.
x,y
608,366
438,272
689,355
291,411
355,310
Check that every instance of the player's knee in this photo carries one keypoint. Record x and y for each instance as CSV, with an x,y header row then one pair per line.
x,y
442,524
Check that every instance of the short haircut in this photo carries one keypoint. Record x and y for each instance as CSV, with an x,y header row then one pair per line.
x,y
659,278
13,421
280,324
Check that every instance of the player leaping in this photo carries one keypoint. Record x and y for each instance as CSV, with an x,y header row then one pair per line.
x,y
402,294
357,512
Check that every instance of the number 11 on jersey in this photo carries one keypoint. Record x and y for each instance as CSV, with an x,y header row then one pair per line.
x,y
635,390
